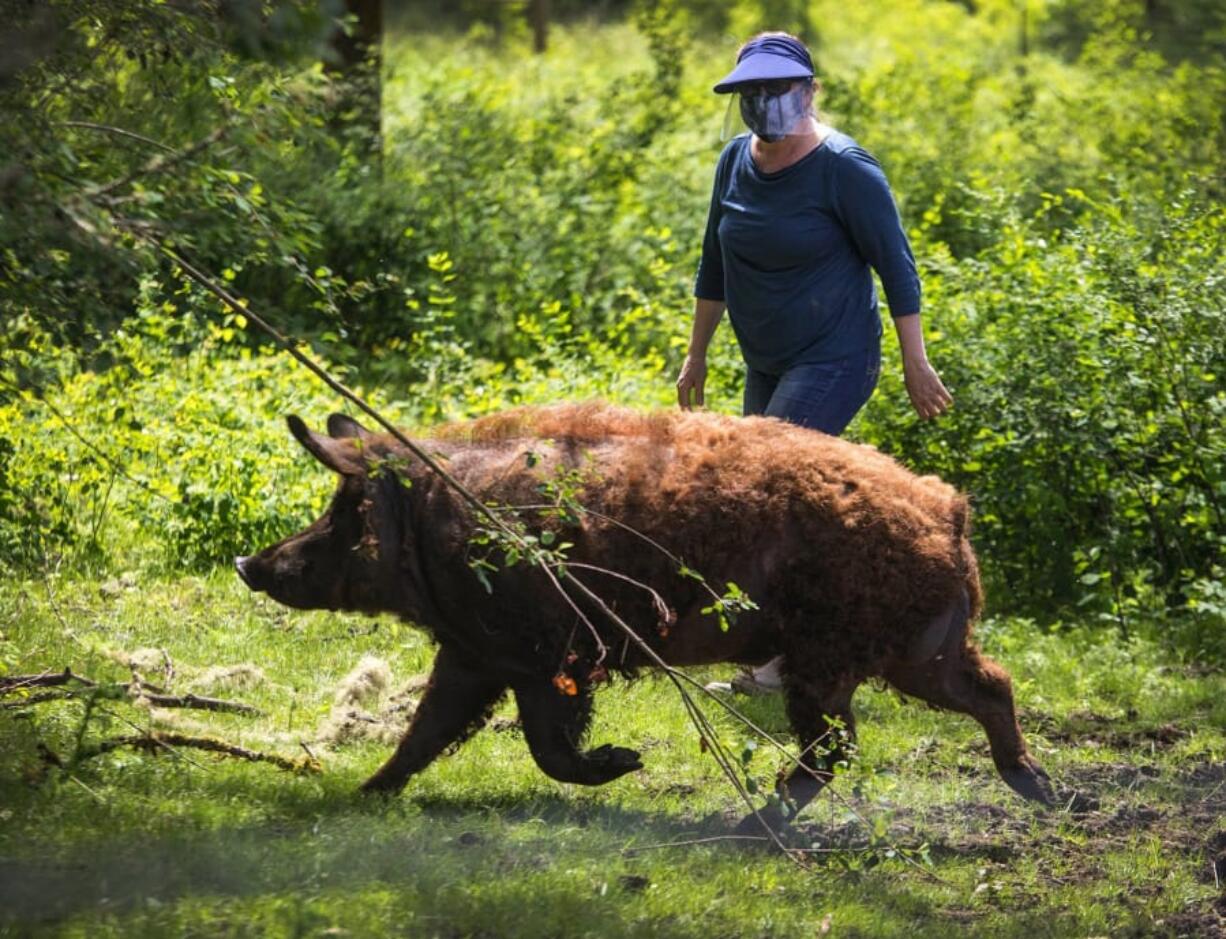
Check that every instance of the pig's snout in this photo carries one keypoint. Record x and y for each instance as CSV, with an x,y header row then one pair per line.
x,y
242,564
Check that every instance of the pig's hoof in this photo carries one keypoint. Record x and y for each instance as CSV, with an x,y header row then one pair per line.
x,y
382,784
610,762
1029,780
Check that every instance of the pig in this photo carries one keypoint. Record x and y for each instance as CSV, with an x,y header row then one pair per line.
x,y
858,569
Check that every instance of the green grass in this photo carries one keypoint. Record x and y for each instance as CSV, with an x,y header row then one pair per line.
x,y
482,843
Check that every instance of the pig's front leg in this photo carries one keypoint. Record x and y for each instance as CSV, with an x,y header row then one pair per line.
x,y
554,726
456,704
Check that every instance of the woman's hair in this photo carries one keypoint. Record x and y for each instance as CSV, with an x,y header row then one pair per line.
x,y
767,34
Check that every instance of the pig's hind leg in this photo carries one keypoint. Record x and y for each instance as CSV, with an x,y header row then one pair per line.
x,y
554,726
457,703
959,677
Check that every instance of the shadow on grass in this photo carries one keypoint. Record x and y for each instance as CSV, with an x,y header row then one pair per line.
x,y
351,843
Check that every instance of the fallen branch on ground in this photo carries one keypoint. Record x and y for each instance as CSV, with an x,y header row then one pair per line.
x,y
42,680
195,701
136,690
154,741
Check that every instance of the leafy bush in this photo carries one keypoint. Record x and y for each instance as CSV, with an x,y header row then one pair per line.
x,y
1087,370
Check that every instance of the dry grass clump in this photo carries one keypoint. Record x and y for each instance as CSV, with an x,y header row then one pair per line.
x,y
367,680
238,677
359,711
142,660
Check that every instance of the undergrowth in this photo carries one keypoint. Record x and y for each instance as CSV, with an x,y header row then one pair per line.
x,y
483,843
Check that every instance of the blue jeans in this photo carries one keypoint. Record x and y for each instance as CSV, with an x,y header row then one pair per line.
x,y
824,396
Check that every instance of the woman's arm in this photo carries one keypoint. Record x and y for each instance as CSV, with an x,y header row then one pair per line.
x,y
693,377
709,301
866,207
928,394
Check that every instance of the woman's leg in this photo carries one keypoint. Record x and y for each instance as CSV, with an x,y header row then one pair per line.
x,y
825,397
759,387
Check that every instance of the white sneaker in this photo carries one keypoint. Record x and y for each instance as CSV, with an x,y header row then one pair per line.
x,y
763,680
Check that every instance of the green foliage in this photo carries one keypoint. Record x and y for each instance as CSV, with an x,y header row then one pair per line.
x,y
531,235
186,843
160,441
96,94
1086,369
727,607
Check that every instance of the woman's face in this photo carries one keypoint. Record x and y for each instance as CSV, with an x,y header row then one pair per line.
x,y
772,109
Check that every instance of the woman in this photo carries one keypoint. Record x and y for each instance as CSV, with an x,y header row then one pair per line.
x,y
800,216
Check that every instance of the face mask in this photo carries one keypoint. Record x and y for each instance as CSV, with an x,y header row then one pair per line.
x,y
772,117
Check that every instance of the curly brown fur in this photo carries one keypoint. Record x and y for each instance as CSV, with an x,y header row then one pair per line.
x,y
859,568
835,526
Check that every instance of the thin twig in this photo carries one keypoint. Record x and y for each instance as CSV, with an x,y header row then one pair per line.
x,y
87,789
138,689
54,604
663,611
697,717
149,733
42,680
157,164
547,506
118,132
211,285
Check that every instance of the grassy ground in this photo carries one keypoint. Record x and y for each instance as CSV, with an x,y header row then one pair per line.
x,y
919,839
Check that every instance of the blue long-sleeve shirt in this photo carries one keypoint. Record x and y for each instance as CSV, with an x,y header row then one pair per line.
x,y
790,254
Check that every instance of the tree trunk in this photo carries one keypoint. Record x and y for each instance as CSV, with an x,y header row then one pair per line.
x,y
359,63
366,39
538,12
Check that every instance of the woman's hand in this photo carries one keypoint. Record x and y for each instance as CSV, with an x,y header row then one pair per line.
x,y
693,378
928,394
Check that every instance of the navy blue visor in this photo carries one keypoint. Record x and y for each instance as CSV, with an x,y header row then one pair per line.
x,y
770,58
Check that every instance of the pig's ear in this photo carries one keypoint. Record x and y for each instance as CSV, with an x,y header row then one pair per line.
x,y
342,425
334,454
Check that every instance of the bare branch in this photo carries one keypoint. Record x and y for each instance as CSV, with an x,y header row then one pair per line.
x,y
157,164
137,689
42,680
156,740
666,615
118,132
196,702
35,699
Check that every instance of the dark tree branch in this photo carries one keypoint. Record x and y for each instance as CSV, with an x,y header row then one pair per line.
x,y
136,689
119,132
154,741
158,164
42,680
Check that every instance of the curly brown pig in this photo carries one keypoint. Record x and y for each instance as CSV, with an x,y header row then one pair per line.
x,y
859,568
